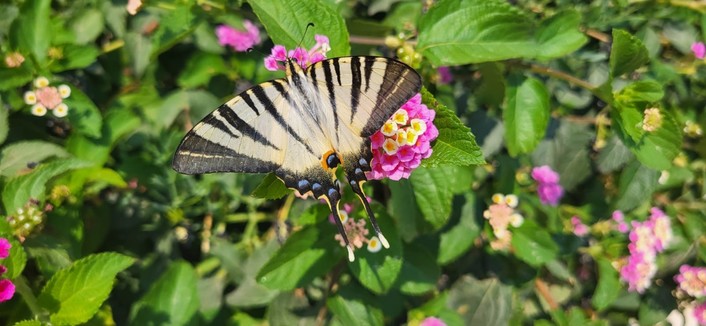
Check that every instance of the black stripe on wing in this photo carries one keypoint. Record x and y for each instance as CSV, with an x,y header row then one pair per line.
x,y
399,83
233,119
269,107
198,155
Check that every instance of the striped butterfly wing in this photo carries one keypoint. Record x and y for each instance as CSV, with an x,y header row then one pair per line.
x,y
304,126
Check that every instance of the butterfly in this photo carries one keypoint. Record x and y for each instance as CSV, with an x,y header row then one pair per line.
x,y
304,127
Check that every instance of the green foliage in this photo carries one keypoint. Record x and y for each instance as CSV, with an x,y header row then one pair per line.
x,y
104,232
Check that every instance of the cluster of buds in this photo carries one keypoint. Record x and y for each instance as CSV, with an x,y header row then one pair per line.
x,y
27,219
647,239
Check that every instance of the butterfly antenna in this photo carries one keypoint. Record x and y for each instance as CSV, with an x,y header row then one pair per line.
x,y
305,31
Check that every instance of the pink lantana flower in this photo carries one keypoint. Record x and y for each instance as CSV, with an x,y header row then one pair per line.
x,y
445,75
501,215
647,239
239,40
619,218
548,187
692,280
579,228
44,97
7,289
699,50
700,313
432,321
403,141
4,248
300,55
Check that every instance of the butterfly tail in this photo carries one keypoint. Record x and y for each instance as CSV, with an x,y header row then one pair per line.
x,y
333,198
356,177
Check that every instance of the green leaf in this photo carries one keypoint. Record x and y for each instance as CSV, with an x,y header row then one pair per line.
x,y
84,114
378,271
32,33
271,188
613,156
20,189
403,206
16,261
481,302
559,35
640,91
637,183
434,189
171,300
462,32
526,115
533,245
76,56
74,294
17,156
15,77
138,48
174,26
627,53
308,253
456,145
117,124
4,127
200,68
28,323
87,25
286,21
659,148
567,153
351,306
459,238
419,273
608,288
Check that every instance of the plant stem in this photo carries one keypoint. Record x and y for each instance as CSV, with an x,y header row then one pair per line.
x,y
543,290
561,75
25,291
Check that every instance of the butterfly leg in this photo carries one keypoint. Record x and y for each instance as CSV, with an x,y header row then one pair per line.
x,y
356,178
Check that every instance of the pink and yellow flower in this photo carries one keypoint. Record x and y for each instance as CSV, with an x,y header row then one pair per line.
x,y
692,280
403,141
7,289
44,97
501,215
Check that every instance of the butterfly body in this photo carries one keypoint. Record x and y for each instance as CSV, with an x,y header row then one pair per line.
x,y
304,126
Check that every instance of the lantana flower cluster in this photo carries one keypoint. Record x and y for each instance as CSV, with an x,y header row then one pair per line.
x,y
44,97
356,231
692,280
699,50
647,239
501,215
238,40
403,141
548,187
7,288
300,55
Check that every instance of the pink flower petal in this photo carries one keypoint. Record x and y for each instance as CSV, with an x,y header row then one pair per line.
x,y
7,290
5,246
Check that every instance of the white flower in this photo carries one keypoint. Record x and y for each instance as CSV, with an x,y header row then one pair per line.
x,y
30,98
374,244
39,110
61,110
41,82
64,91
